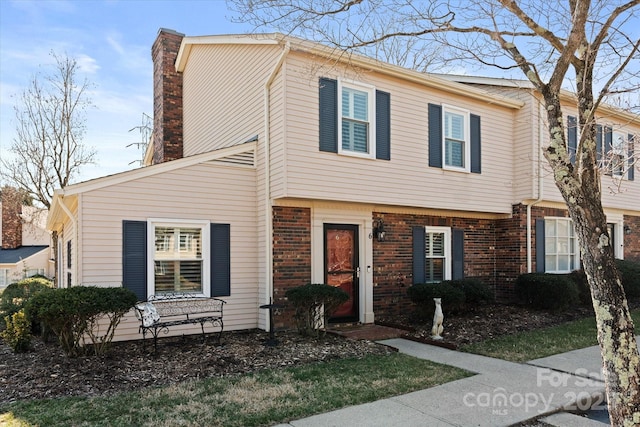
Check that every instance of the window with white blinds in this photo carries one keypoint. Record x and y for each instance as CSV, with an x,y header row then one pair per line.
x,y
356,106
178,258
437,254
456,145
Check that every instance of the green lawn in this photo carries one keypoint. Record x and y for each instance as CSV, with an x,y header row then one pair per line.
x,y
543,342
262,398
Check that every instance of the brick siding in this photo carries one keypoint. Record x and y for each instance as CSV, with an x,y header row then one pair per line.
x,y
632,241
291,256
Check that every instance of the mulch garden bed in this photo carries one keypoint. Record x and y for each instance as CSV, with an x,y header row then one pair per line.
x,y
45,372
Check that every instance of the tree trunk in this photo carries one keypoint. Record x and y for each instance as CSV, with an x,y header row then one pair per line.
x,y
580,188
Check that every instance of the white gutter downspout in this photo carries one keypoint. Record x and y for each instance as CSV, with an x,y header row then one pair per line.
x,y
74,250
267,180
540,187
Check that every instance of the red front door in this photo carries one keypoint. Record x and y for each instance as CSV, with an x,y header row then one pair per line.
x,y
341,266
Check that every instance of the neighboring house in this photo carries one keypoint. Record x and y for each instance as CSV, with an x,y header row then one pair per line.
x,y
277,162
25,242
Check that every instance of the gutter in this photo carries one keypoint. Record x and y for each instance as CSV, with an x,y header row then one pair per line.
x,y
268,247
540,186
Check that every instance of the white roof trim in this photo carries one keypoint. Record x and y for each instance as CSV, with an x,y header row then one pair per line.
x,y
147,171
321,50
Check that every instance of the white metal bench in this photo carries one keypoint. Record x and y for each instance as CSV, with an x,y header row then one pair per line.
x,y
160,312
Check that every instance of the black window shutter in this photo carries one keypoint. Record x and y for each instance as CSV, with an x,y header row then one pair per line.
x,y
540,252
632,159
220,260
572,138
599,144
419,255
435,136
383,125
457,249
475,143
134,257
328,115
608,146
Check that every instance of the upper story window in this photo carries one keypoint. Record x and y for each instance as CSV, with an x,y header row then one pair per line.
x,y
615,152
180,258
456,138
618,157
356,104
354,119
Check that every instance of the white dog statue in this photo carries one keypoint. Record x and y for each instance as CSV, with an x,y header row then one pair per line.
x,y
438,317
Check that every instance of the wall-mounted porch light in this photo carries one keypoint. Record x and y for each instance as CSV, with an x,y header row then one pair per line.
x,y
378,230
627,230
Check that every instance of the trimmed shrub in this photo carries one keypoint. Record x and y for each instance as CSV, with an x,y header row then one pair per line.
x,y
76,312
475,291
17,335
630,274
314,304
547,291
580,279
16,295
423,294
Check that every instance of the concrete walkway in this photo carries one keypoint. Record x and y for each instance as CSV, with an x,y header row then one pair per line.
x,y
501,394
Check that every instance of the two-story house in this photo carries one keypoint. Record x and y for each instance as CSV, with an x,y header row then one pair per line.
x,y
278,162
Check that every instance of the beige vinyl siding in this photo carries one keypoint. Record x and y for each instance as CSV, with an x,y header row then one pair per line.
x,y
220,194
223,94
616,194
406,179
278,113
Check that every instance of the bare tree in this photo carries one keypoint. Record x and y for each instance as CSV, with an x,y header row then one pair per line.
x,y
582,43
48,151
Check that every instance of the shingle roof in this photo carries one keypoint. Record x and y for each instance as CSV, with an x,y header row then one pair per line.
x,y
13,256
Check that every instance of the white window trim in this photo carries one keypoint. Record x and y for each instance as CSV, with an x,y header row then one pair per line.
x,y
371,112
576,247
152,223
447,247
467,138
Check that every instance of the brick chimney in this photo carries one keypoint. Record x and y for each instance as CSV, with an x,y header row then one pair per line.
x,y
167,97
11,219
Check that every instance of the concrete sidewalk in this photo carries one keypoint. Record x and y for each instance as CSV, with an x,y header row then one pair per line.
x,y
501,394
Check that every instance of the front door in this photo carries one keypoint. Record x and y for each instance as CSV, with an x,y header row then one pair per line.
x,y
341,267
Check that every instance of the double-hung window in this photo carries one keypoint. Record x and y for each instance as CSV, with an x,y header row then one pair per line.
x,y
357,119
456,147
561,246
180,257
618,156
437,254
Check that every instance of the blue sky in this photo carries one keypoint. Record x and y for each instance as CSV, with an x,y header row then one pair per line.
x,y
112,42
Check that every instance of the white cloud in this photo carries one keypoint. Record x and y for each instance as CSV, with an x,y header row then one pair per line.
x,y
87,64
